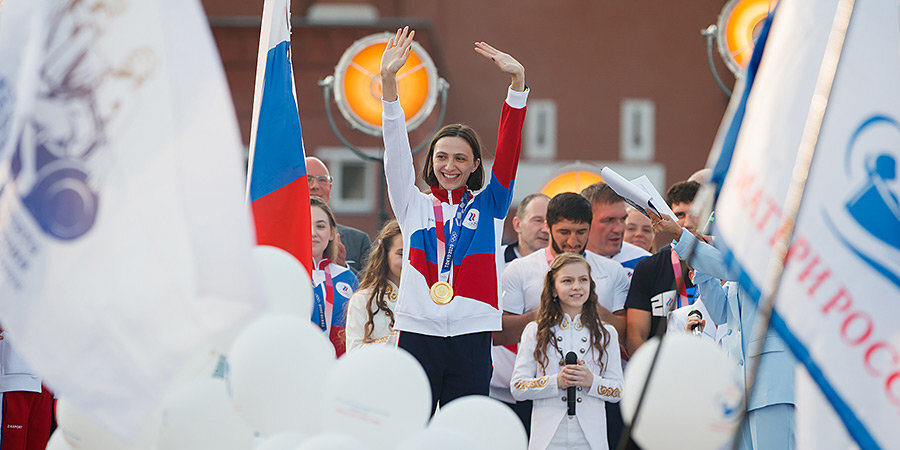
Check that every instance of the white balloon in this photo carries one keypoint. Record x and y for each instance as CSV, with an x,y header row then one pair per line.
x,y
378,394
200,365
286,283
288,440
693,378
488,423
82,432
58,441
200,414
277,368
436,439
332,441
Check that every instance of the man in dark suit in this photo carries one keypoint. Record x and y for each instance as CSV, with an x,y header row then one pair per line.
x,y
353,245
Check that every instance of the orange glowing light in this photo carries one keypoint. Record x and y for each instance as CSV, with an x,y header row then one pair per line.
x,y
573,181
358,84
739,26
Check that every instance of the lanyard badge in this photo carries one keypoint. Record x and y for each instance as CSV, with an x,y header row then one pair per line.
x,y
328,297
442,290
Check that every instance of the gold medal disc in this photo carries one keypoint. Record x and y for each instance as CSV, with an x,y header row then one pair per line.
x,y
441,292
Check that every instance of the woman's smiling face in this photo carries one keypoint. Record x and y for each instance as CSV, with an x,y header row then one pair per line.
x,y
322,233
453,162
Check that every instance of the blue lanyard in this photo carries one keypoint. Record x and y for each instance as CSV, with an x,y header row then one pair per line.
x,y
320,307
455,227
319,300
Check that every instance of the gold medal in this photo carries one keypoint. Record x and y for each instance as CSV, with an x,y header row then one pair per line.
x,y
441,292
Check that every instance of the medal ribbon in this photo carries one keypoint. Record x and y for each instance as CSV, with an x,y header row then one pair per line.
x,y
445,248
683,299
329,294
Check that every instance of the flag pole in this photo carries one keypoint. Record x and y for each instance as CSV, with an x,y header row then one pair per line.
x,y
794,200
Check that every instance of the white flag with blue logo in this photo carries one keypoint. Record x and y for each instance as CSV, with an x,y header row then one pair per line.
x,y
124,239
839,300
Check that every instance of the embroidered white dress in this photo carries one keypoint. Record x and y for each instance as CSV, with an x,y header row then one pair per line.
x,y
357,317
549,421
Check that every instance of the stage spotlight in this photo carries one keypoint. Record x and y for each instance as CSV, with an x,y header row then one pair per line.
x,y
357,84
737,28
570,181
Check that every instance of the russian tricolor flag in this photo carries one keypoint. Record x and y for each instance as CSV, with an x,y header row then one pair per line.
x,y
276,185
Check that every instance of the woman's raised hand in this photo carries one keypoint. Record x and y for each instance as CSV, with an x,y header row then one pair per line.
x,y
395,55
505,62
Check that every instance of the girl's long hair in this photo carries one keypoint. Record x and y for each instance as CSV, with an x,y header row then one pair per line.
x,y
376,277
550,314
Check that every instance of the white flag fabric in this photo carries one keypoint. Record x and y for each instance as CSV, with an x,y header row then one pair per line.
x,y
125,242
839,299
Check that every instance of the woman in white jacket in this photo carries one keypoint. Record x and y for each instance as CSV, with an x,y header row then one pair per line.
x,y
449,293
370,319
568,322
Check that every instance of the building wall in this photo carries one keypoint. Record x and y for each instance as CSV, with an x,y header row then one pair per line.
x,y
586,56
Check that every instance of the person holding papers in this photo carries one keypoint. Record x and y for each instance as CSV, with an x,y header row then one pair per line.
x,y
770,410
449,293
660,283
332,284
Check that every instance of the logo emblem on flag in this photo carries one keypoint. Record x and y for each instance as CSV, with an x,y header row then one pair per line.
x,y
868,221
81,97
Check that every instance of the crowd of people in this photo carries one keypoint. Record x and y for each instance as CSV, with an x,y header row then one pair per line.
x,y
586,283
545,324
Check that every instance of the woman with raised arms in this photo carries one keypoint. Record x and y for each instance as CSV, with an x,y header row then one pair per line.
x,y
449,295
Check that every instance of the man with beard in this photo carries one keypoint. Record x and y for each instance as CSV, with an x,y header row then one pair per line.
x,y
569,220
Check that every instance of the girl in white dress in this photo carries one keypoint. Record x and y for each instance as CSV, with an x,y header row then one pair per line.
x,y
370,318
567,321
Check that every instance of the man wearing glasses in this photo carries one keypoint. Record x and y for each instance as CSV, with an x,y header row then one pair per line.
x,y
352,244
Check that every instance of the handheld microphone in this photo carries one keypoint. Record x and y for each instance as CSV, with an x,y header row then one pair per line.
x,y
695,330
571,359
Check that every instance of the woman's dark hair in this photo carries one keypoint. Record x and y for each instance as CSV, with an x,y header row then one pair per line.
x,y
315,201
466,133
376,276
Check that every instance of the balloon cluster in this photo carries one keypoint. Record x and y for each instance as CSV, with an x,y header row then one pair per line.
x,y
283,389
